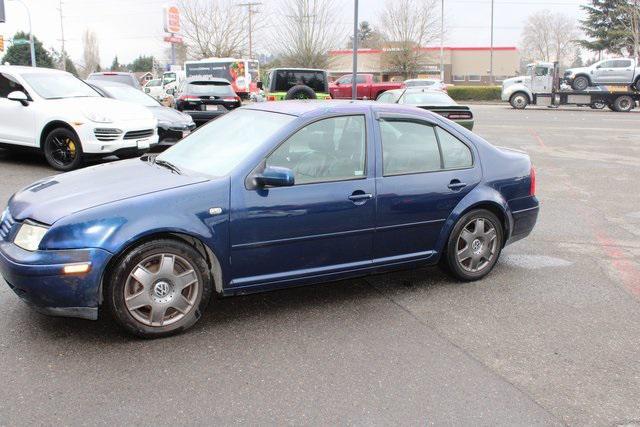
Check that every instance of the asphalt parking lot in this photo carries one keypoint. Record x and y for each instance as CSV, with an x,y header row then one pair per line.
x,y
552,336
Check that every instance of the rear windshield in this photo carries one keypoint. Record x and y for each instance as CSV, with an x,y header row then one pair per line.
x,y
412,83
426,98
286,79
209,88
119,78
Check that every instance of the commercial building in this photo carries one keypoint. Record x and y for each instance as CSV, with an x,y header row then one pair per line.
x,y
462,65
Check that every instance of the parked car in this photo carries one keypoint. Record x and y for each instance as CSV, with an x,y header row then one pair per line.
x,y
368,86
271,195
296,83
432,100
154,89
172,125
205,99
608,71
433,84
115,76
65,118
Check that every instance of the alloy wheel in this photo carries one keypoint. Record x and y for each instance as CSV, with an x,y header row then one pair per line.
x,y
477,245
63,150
162,289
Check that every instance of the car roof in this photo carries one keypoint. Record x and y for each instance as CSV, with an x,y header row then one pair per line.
x,y
108,73
21,69
298,69
304,107
423,80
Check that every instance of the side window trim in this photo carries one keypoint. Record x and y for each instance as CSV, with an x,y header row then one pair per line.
x,y
381,116
263,162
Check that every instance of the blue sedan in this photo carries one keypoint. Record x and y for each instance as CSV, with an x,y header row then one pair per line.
x,y
269,196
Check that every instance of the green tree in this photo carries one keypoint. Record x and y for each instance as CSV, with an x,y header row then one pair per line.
x,y
70,67
20,54
608,26
368,37
115,65
142,64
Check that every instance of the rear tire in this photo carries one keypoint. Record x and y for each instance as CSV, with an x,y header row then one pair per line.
x,y
159,288
580,83
519,100
474,245
623,104
63,150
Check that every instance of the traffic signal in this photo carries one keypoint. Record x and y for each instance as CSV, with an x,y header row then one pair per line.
x,y
1,42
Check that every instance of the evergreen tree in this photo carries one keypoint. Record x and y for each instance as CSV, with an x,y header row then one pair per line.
x,y
20,54
115,65
142,64
607,26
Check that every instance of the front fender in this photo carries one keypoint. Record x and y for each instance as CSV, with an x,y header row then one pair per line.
x,y
481,195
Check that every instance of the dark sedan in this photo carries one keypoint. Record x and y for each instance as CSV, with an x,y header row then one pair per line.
x,y
172,125
205,99
272,195
432,100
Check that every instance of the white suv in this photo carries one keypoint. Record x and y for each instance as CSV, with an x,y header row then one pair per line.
x,y
53,111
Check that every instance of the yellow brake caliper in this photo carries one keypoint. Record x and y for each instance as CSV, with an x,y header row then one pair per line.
x,y
72,147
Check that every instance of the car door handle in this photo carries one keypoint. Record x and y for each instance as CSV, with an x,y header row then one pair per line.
x,y
456,185
360,197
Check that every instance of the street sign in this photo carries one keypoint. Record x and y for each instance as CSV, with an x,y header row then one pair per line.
x,y
172,19
20,41
173,39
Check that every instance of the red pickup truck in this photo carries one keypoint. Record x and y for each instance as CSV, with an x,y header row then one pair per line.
x,y
369,86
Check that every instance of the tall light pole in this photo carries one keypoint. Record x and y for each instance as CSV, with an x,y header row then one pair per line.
x,y
442,41
491,50
33,48
354,78
64,54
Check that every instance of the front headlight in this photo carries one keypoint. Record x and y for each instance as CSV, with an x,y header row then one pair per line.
x,y
94,116
29,236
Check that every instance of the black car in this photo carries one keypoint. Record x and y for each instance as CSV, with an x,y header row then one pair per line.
x,y
172,125
205,99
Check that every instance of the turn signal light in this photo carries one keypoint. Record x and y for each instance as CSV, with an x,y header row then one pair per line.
x,y
76,268
271,98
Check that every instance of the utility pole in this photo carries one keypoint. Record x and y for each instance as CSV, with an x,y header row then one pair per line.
x,y
64,54
491,53
442,41
354,78
250,12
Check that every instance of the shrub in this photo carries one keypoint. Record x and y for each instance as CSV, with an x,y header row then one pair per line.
x,y
475,93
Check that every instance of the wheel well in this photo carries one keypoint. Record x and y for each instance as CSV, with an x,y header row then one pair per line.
x,y
204,250
55,125
520,92
494,209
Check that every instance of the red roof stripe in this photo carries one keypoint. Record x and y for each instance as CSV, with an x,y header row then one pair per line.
x,y
430,48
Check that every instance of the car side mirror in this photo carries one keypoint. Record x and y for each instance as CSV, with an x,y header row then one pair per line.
x,y
171,91
19,96
260,85
275,176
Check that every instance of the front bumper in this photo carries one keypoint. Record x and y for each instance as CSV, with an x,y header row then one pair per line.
x,y
92,145
38,279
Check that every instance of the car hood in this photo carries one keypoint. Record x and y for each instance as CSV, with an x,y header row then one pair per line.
x,y
168,117
514,80
572,71
55,197
111,108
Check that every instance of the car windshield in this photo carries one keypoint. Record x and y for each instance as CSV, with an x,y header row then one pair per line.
x,y
217,148
118,78
59,85
129,94
426,98
209,88
413,83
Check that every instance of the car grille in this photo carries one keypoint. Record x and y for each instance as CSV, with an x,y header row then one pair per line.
x,y
6,225
137,134
107,134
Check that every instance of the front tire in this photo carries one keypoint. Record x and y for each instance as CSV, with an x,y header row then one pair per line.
x,y
519,100
474,245
159,288
62,150
580,83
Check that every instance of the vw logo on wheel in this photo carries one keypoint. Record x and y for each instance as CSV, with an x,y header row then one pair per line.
x,y
161,289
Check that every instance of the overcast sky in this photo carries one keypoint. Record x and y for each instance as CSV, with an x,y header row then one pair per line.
x,y
129,28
